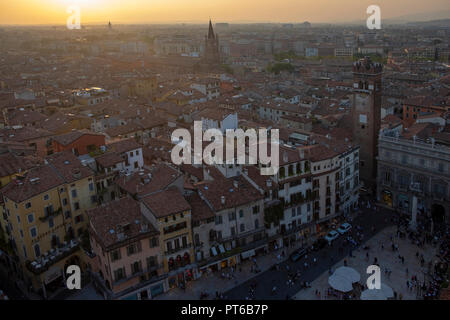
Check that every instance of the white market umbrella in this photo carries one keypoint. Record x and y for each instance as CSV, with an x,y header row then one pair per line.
x,y
340,283
349,273
383,293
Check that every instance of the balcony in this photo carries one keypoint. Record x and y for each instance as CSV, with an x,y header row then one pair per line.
x,y
44,262
175,250
48,214
139,273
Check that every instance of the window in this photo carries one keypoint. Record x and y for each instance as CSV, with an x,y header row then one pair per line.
x,y
152,262
404,159
37,250
67,214
119,274
134,248
115,255
46,197
18,219
256,224
255,209
136,267
153,242
293,212
64,201
74,193
218,220
241,213
242,227
27,205
51,223
77,206
232,216
33,232
91,187
233,231
79,218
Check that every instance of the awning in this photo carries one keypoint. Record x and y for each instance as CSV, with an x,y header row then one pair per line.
x,y
248,254
214,251
383,293
221,248
340,283
348,273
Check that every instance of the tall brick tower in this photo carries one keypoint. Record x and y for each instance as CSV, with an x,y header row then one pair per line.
x,y
366,115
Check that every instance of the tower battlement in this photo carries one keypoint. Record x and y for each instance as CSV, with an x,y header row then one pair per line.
x,y
366,65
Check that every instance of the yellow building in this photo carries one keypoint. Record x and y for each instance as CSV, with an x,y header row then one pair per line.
x,y
44,218
170,213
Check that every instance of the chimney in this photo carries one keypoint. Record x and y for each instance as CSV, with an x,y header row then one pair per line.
x,y
222,199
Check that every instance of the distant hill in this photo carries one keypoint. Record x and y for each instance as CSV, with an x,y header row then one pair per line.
x,y
419,17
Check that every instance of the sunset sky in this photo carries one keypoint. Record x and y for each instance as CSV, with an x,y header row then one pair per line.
x,y
168,11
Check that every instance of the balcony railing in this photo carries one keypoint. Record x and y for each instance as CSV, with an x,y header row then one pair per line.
x,y
50,214
43,263
175,250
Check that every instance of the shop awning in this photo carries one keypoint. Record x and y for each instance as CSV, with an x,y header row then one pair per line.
x,y
221,248
248,254
214,251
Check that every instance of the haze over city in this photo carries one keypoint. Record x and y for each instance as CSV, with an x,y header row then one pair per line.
x,y
136,164
31,12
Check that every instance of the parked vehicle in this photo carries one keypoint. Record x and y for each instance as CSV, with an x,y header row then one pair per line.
x,y
298,254
331,236
344,228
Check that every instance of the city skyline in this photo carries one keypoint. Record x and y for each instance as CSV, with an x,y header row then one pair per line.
x,y
32,12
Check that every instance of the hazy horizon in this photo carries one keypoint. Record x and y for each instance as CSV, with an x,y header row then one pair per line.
x,y
53,12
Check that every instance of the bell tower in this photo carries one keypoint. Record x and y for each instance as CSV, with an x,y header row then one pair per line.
x,y
366,116
212,47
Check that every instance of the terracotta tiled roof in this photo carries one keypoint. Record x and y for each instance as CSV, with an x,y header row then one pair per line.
x,y
214,190
70,137
166,202
199,208
109,159
33,183
141,184
68,166
11,164
123,146
106,219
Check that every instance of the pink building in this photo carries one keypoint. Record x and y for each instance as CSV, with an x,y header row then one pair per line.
x,y
127,250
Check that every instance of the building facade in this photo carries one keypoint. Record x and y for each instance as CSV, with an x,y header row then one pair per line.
x,y
414,176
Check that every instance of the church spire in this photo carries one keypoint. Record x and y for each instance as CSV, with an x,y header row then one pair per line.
x,y
211,31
